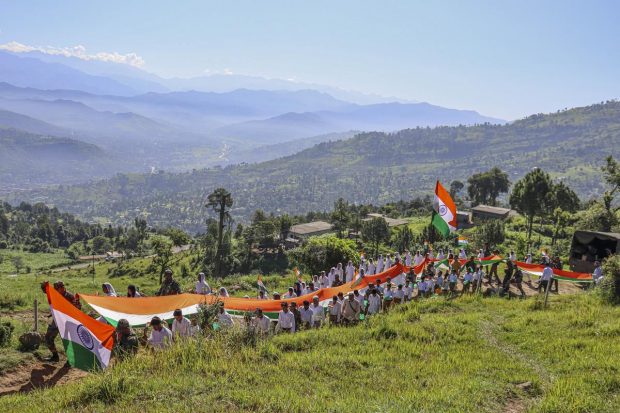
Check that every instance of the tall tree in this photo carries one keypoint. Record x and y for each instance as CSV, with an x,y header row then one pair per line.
x,y
341,218
562,201
376,231
455,188
529,197
485,187
220,201
611,172
162,247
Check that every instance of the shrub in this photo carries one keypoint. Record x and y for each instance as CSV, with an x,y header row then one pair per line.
x,y
6,332
609,288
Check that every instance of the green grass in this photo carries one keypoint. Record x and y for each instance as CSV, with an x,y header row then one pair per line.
x,y
435,356
37,261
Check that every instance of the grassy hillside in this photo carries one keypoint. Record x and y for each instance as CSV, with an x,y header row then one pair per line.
x,y
470,355
369,168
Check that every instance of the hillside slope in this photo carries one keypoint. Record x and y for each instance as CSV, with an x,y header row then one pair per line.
x,y
469,355
369,168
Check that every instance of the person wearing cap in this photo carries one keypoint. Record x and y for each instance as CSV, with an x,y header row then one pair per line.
x,y
260,323
306,314
335,309
351,310
597,274
125,340
52,329
169,286
181,326
160,337
286,319
202,286
318,314
262,295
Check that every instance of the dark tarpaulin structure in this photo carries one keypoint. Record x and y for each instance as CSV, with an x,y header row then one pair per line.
x,y
590,246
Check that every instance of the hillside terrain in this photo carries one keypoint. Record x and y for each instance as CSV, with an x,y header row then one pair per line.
x,y
369,168
473,354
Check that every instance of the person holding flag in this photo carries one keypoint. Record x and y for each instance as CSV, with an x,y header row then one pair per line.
x,y
52,328
88,343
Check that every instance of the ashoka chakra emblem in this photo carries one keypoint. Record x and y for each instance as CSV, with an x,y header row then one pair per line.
x,y
443,210
85,337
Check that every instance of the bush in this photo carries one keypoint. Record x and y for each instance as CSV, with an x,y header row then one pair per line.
x,y
6,332
609,288
4,245
323,252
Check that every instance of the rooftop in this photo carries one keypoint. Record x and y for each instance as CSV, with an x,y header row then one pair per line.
x,y
311,227
492,210
392,222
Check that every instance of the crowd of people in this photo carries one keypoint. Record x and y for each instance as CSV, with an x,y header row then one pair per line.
x,y
443,275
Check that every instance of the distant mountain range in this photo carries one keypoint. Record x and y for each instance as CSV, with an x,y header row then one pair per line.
x,y
148,123
368,168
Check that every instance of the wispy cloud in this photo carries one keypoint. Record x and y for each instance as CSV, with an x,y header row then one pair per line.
x,y
79,51
225,71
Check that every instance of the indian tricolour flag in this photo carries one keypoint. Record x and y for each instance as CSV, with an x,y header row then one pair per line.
x,y
444,214
88,342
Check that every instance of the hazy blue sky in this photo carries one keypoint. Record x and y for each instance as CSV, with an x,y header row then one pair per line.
x,y
502,58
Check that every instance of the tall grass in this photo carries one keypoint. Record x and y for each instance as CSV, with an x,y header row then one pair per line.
x,y
468,355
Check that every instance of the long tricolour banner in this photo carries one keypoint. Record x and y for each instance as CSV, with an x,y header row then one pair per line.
x,y
139,311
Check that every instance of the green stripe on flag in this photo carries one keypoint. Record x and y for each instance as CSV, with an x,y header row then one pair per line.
x,y
80,357
440,224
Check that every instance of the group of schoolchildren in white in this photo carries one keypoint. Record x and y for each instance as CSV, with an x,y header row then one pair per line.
x,y
436,279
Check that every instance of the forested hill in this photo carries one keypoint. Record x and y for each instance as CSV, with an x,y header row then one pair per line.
x,y
369,168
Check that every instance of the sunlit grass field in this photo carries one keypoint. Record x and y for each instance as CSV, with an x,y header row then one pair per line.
x,y
467,355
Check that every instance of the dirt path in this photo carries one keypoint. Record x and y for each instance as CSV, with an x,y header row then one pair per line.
x,y
38,375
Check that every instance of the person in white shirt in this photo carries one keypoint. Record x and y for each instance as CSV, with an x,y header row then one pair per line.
x,y
334,307
399,295
408,289
374,302
430,254
286,320
310,289
351,309
202,287
388,262
379,264
181,326
323,280
359,298
372,269
452,280
407,258
318,313
597,274
478,277
260,323
160,336
262,295
290,293
462,254
223,292
223,318
388,295
512,257
418,258
545,278
306,315
331,277
481,254
340,271
441,255
467,281
349,272
108,290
